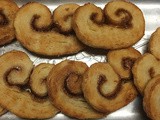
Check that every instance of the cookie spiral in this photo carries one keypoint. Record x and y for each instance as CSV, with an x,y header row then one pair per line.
x,y
151,98
38,79
145,68
16,64
154,44
104,90
122,61
117,26
8,10
41,34
64,84
62,17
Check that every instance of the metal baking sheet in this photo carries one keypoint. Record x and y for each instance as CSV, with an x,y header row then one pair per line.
x,y
134,110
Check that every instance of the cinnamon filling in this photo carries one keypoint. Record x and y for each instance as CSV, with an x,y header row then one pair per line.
x,y
3,19
7,79
8,76
151,72
93,17
110,95
52,27
127,63
125,22
72,84
40,29
23,86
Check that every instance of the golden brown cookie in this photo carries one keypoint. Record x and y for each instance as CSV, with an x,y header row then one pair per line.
x,y
151,98
64,84
104,90
122,61
38,79
8,10
16,64
40,35
117,26
145,68
154,46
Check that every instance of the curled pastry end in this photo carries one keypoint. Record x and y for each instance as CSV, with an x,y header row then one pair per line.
x,y
38,79
122,61
144,69
72,84
62,17
151,97
154,43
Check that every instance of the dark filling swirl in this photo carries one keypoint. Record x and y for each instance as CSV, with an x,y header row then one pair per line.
x,y
40,29
52,27
127,63
7,79
72,85
124,23
23,86
151,72
101,81
3,19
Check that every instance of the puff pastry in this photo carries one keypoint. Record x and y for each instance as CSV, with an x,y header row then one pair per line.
x,y
117,26
64,84
39,33
17,65
151,98
122,61
8,10
104,89
145,68
154,43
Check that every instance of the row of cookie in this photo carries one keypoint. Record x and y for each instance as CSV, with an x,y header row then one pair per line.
x,y
146,73
70,86
71,27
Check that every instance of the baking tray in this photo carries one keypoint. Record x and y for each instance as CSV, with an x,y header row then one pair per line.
x,y
134,110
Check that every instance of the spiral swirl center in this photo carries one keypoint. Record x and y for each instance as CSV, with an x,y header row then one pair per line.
x,y
72,84
3,19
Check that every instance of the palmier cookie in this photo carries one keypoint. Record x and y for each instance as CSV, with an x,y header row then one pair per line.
x,y
17,65
8,9
104,90
64,85
154,43
117,26
145,68
122,61
40,35
151,98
